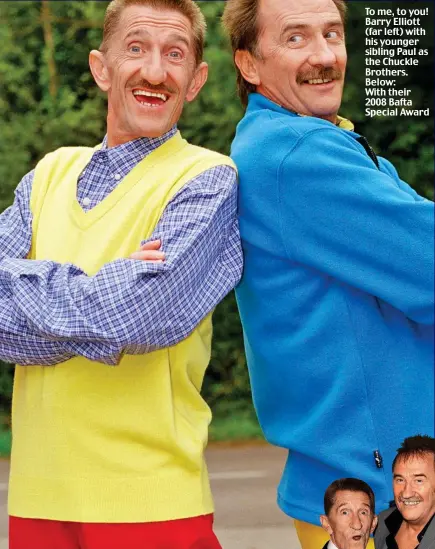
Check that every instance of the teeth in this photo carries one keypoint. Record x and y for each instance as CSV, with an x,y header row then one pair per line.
x,y
410,502
150,94
319,81
143,103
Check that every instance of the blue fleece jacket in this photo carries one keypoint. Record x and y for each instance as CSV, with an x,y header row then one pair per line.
x,y
336,302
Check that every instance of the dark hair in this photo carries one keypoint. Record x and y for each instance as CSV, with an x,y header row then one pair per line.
x,y
240,20
417,446
347,484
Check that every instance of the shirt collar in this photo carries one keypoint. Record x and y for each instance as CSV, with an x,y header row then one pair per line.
x,y
422,533
393,522
344,123
331,545
138,148
257,100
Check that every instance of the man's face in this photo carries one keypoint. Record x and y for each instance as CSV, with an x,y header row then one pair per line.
x,y
350,521
151,70
414,488
303,56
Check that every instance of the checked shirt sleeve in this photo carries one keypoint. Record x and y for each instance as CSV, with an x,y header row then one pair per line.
x,y
16,222
133,306
15,240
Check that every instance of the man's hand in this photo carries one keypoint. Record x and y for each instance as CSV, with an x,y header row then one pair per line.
x,y
149,252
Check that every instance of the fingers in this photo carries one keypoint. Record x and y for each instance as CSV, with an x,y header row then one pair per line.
x,y
151,245
149,255
149,252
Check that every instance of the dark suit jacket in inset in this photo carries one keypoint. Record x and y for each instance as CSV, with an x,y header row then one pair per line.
x,y
382,532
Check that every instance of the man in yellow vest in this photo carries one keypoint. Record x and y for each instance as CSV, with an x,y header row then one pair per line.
x,y
112,457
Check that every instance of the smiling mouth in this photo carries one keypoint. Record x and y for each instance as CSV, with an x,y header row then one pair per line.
x,y
410,503
317,81
150,99
319,77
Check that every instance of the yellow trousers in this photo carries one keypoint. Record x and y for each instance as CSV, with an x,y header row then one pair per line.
x,y
314,537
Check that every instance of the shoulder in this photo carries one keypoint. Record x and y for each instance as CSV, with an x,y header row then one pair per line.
x,y
23,190
383,515
70,151
387,167
325,138
271,136
208,172
382,531
50,169
217,181
264,129
331,150
209,157
64,156
429,535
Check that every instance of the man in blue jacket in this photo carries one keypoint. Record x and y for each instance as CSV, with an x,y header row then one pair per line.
x,y
337,300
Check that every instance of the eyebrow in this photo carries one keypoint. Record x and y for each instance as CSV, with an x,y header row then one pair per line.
x,y
414,475
173,37
348,503
302,26
179,38
343,505
137,32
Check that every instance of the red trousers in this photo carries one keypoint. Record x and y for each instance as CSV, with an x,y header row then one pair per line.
x,y
190,533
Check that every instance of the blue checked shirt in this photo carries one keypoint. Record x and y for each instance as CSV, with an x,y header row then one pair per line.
x,y
50,312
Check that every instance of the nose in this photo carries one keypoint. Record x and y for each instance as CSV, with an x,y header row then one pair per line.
x,y
356,523
153,69
322,54
407,491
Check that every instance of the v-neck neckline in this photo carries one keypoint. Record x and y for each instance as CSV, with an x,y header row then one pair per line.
x,y
85,219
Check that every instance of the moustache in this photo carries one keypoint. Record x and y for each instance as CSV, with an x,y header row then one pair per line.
x,y
322,74
161,88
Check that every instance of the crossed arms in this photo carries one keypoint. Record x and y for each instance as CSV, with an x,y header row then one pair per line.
x,y
50,312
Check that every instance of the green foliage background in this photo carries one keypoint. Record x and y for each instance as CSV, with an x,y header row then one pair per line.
x,y
48,99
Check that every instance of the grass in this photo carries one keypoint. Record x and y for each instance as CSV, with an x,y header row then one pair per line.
x,y
238,426
5,442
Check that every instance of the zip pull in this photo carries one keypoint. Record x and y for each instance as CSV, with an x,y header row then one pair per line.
x,y
370,152
378,459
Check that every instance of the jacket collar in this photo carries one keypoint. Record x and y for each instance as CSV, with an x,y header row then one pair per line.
x,y
257,101
394,521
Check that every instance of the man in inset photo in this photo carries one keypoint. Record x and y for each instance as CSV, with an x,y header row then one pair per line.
x,y
349,515
410,523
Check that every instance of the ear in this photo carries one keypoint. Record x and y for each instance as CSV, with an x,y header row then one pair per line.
x,y
374,524
198,81
99,70
325,524
247,66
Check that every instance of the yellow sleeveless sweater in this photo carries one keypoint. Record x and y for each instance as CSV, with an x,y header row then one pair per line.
x,y
91,442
